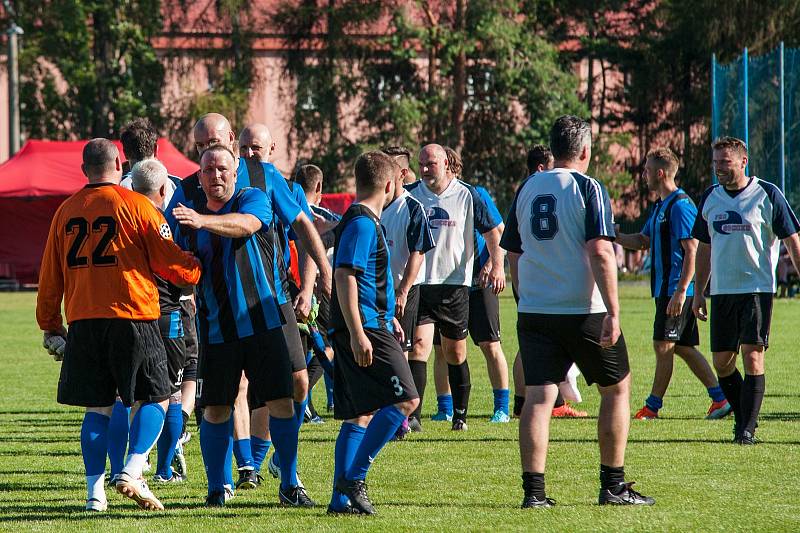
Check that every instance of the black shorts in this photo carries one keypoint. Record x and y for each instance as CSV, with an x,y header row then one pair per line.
x,y
323,315
297,347
190,339
409,320
106,355
681,329
484,316
264,358
447,306
549,344
361,390
171,329
738,319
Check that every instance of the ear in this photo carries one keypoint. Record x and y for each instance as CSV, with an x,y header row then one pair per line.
x,y
272,148
745,159
388,187
585,153
162,191
540,168
118,163
318,188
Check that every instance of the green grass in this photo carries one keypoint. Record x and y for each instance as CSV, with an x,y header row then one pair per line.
x,y
438,480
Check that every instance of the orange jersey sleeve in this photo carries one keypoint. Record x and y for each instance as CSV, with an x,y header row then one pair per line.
x,y
51,281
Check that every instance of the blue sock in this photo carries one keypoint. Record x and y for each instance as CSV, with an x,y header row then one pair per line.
x,y
654,403
380,430
145,428
216,441
284,437
94,443
228,468
328,383
500,400
347,443
243,453
445,403
173,424
260,448
118,429
716,394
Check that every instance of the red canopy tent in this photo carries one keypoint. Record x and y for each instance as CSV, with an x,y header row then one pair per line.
x,y
33,184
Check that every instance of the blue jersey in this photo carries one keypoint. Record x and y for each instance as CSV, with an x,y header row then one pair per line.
x,y
236,294
670,223
481,251
361,245
286,232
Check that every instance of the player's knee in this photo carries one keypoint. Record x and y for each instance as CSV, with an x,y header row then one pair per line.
x,y
282,408
617,391
664,348
300,385
753,361
175,398
408,407
217,414
724,363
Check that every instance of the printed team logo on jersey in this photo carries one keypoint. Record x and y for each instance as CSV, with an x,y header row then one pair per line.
x,y
165,231
730,221
438,217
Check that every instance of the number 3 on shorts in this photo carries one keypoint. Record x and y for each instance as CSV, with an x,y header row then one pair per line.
x,y
398,389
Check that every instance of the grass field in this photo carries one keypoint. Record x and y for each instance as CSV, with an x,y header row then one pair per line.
x,y
438,480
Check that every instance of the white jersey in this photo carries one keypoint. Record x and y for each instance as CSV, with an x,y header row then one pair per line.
x,y
744,232
172,184
407,230
454,215
553,215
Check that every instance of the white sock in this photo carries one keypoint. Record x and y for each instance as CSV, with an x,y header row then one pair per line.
x,y
135,464
95,486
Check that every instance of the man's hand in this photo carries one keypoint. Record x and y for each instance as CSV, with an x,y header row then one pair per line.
x,y
302,305
55,342
187,216
699,306
400,300
494,278
610,333
675,305
399,334
362,349
322,224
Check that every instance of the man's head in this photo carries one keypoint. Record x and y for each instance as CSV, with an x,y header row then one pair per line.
x,y
454,164
138,140
402,156
309,177
255,142
149,177
433,165
730,160
218,173
210,130
661,166
571,142
376,174
539,158
101,162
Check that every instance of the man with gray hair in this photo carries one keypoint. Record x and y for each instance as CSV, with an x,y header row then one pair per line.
x,y
559,235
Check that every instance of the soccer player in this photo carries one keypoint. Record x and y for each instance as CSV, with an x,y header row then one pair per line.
x,y
402,157
149,178
483,324
105,242
668,235
740,224
240,318
455,210
374,388
558,235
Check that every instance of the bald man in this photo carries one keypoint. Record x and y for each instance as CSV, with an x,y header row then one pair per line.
x,y
455,210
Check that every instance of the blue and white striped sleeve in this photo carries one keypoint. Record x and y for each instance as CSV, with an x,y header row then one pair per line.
x,y
599,218
784,221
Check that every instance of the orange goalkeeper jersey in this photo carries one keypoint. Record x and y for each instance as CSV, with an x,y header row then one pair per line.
x,y
104,246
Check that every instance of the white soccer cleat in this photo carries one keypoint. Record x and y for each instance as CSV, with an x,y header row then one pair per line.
x,y
569,387
96,505
138,491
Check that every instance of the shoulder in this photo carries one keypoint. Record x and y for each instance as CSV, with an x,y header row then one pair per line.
x,y
466,188
708,192
251,193
587,185
413,187
770,189
360,224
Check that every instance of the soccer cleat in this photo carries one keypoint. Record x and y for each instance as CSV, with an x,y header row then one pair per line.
x,y
402,431
625,496
645,413
356,490
500,417
96,505
718,410
179,459
316,419
347,509
229,494
414,424
567,411
248,479
138,491
295,497
275,471
184,438
745,439
531,502
217,498
441,416
459,425
175,478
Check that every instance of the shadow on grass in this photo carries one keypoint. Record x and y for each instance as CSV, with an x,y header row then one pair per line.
x,y
34,453
38,439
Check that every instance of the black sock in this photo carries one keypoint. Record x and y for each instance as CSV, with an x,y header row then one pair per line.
x,y
310,406
519,401
460,386
612,477
198,416
419,371
315,372
732,387
752,396
559,400
185,421
533,485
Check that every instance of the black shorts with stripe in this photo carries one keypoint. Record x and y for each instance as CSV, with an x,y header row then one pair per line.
x,y
681,329
447,306
190,340
409,319
738,319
